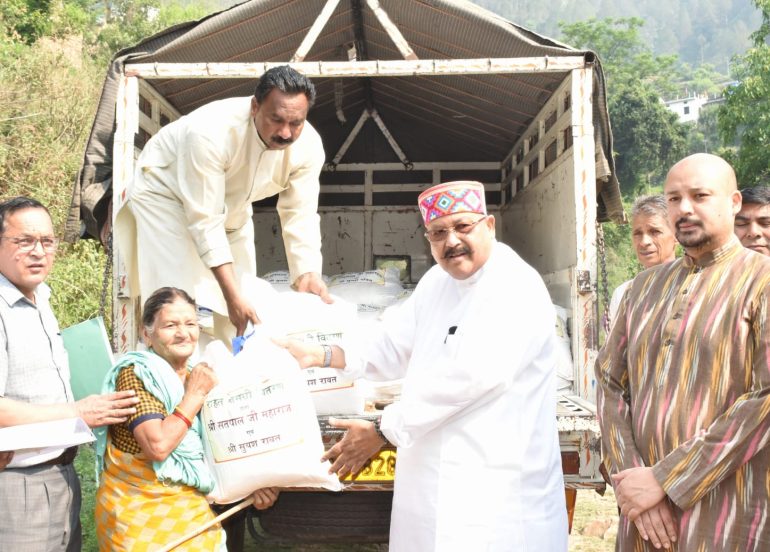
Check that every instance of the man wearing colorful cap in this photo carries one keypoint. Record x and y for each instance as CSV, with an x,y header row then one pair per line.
x,y
478,463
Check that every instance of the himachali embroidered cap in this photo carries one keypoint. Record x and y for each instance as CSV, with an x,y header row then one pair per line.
x,y
453,197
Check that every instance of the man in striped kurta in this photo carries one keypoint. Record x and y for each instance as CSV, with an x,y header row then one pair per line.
x,y
684,381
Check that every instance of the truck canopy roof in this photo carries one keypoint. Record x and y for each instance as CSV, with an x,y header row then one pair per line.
x,y
433,118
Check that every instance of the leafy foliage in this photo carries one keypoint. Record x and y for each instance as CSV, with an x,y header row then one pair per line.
x,y
48,94
648,137
698,31
746,112
126,22
46,108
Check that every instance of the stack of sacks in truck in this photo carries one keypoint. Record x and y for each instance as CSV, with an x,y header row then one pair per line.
x,y
372,291
280,281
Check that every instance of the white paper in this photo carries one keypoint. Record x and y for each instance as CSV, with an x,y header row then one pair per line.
x,y
35,443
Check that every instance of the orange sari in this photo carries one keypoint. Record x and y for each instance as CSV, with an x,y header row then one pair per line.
x,y
136,513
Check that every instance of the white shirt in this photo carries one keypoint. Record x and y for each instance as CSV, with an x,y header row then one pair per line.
x,y
617,297
33,362
479,466
192,193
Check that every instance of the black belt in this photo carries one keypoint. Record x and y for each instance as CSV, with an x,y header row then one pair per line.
x,y
64,459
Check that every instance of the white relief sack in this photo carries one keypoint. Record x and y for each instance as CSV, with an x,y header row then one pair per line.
x,y
331,390
260,426
305,317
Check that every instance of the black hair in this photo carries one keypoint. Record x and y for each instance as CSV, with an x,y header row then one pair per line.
x,y
759,195
10,206
160,298
288,81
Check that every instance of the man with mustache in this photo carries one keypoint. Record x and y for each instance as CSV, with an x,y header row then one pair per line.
x,y
479,465
189,206
684,381
653,239
752,223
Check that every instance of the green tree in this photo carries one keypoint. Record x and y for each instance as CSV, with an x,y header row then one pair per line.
x,y
745,115
626,57
127,22
648,137
28,20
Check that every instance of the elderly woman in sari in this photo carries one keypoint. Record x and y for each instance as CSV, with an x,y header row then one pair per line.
x,y
154,479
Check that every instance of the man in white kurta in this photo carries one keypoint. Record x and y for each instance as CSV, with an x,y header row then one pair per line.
x,y
479,465
197,178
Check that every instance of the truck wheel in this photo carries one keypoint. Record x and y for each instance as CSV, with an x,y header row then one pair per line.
x,y
324,517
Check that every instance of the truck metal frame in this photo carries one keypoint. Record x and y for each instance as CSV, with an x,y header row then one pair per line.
x,y
550,169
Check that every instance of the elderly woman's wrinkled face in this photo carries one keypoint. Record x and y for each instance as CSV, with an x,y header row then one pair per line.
x,y
174,333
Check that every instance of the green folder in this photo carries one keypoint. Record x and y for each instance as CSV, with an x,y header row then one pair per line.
x,y
90,356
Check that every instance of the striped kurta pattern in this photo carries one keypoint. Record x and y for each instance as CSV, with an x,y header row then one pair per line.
x,y
684,387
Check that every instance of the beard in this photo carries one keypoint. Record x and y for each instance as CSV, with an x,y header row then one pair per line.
x,y
696,237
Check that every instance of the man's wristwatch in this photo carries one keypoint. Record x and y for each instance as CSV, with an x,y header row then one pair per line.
x,y
380,434
327,356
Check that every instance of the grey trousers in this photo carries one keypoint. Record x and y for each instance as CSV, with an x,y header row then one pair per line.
x,y
40,509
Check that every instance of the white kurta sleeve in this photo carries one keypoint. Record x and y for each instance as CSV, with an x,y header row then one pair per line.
x,y
381,352
507,335
201,182
298,209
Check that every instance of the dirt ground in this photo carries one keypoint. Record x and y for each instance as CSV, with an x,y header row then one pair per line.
x,y
593,529
595,523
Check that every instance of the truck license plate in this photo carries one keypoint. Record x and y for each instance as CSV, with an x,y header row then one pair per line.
x,y
379,468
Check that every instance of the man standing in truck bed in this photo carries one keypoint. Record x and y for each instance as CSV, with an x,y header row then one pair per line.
x,y
196,180
478,466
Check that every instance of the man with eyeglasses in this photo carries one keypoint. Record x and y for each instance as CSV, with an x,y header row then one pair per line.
x,y
39,494
478,466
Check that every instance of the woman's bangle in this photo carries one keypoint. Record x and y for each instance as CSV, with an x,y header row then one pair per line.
x,y
327,356
183,413
178,413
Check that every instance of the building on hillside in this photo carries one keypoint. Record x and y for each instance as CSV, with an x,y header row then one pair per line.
x,y
688,108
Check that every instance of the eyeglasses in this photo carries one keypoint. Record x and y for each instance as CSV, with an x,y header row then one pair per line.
x,y
461,228
28,243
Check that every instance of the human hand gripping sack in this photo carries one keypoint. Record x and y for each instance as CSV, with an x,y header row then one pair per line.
x,y
311,282
359,444
240,312
197,385
265,498
311,355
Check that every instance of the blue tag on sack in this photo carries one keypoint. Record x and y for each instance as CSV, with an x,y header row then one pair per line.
x,y
240,340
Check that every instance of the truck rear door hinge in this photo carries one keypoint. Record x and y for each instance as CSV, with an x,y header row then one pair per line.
x,y
584,281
